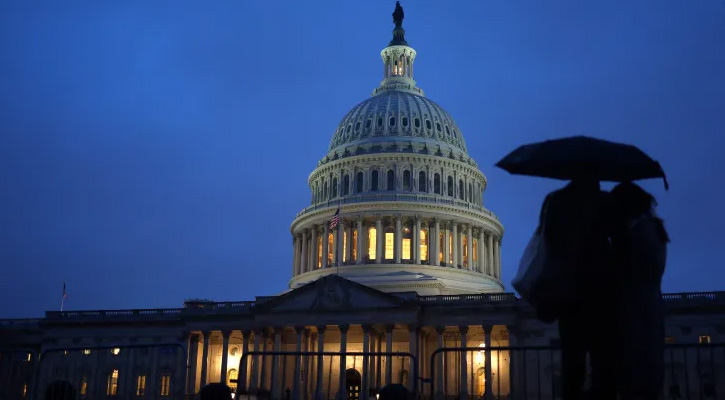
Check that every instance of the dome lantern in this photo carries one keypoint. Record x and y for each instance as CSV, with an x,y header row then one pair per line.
x,y
398,60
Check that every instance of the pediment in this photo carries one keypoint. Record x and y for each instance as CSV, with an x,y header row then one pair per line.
x,y
331,293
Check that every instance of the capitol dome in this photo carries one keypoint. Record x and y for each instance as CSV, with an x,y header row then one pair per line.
x,y
397,203
396,120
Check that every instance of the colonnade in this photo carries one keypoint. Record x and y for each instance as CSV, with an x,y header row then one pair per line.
x,y
397,240
375,370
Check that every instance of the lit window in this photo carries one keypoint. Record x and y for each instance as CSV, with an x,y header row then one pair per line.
x,y
83,385
465,251
441,247
115,351
423,245
450,248
475,252
112,383
319,252
165,384
87,352
704,339
353,250
406,244
389,245
141,385
233,351
65,352
372,243
28,356
344,247
670,340
25,389
330,248
232,377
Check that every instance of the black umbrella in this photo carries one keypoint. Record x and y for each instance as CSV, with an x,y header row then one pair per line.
x,y
579,156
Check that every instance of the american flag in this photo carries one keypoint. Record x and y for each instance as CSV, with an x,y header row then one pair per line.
x,y
65,294
335,219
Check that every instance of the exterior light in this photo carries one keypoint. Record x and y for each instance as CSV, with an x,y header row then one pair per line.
x,y
87,352
115,351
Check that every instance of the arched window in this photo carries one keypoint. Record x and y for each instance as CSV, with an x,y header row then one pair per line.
x,y
475,254
407,244
333,193
346,185
372,243
324,194
460,189
389,244
437,183
441,247
423,245
391,179
374,181
406,180
330,249
232,376
450,186
353,250
465,250
319,252
422,182
470,193
359,183
391,122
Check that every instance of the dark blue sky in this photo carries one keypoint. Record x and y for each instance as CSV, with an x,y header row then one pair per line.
x,y
155,152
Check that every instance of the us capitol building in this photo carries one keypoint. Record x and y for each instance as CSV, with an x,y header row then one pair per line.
x,y
413,265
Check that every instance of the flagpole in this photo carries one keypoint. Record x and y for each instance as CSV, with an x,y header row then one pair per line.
x,y
62,300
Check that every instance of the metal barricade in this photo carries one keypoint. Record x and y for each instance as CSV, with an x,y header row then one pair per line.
x,y
320,388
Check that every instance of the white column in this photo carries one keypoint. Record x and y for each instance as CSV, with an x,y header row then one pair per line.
x,y
325,243
416,241
464,363
343,361
242,376
412,349
439,365
340,243
446,245
295,255
489,251
398,249
435,243
275,389
379,244
456,255
488,395
364,386
481,251
313,250
348,250
254,379
319,389
205,359
360,240
298,364
388,357
470,247
225,357
303,257
498,258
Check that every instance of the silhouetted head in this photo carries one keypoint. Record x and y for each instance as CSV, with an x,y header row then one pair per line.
x,y
631,200
215,391
394,391
60,390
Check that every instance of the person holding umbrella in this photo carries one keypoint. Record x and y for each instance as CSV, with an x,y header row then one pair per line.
x,y
566,272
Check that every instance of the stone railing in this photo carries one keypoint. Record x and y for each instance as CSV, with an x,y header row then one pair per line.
x,y
463,298
19,323
393,196
114,314
694,298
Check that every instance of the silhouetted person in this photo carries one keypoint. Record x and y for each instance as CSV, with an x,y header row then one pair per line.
x,y
394,391
215,391
639,241
60,390
574,226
